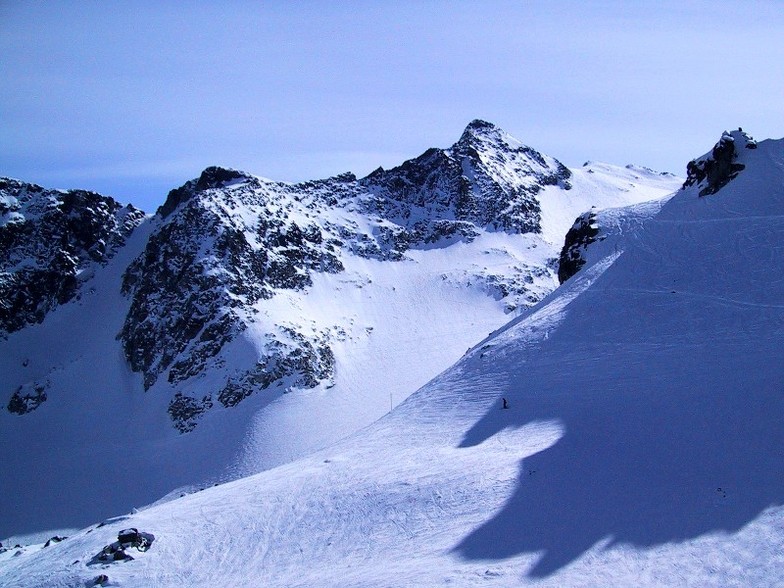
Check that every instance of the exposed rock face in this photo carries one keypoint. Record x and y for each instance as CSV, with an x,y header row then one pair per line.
x,y
716,169
487,178
301,362
207,265
181,295
584,231
49,239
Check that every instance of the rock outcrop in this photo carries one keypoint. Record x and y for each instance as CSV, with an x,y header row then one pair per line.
x,y
584,231
50,240
714,170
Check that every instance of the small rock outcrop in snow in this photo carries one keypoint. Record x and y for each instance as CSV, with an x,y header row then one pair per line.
x,y
27,398
126,540
714,170
584,232
185,411
54,540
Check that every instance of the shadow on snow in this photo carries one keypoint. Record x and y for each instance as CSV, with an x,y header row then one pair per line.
x,y
672,430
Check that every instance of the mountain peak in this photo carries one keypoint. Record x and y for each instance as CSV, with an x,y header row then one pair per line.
x,y
480,125
217,177
487,178
211,178
482,130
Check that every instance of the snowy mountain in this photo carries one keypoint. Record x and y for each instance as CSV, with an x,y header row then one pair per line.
x,y
52,241
487,179
250,322
642,442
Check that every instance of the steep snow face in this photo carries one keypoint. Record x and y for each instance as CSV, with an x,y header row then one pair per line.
x,y
641,445
251,322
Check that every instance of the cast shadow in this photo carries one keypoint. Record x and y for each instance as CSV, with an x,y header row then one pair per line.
x,y
660,445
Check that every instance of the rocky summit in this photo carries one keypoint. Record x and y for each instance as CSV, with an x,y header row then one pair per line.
x,y
715,169
487,179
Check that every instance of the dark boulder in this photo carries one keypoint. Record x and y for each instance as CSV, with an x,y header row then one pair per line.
x,y
120,555
27,398
126,539
55,539
128,535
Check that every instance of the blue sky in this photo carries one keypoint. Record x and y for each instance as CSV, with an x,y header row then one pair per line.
x,y
133,98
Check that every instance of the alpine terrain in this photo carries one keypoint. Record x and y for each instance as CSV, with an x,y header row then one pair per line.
x,y
255,325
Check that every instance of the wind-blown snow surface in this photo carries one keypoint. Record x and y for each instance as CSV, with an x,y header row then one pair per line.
x,y
642,446
101,445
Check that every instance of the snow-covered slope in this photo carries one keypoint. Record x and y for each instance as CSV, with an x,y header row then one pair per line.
x,y
251,322
642,444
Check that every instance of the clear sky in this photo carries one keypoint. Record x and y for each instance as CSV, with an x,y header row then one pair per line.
x,y
133,98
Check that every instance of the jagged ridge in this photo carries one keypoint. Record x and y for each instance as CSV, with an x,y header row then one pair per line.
x,y
487,178
49,240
